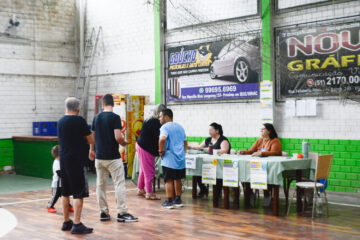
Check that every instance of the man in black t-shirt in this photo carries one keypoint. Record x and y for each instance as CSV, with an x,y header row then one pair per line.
x,y
74,137
107,129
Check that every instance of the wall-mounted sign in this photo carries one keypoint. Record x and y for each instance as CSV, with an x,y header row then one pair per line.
x,y
318,61
228,69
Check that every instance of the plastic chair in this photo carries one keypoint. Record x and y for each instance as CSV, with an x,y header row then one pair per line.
x,y
290,176
323,166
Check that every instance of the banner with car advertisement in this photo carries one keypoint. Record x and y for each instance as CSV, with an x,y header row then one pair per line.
x,y
319,60
227,69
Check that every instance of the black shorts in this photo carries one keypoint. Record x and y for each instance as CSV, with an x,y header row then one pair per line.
x,y
170,173
74,182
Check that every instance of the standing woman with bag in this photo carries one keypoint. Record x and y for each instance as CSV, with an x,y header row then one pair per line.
x,y
147,146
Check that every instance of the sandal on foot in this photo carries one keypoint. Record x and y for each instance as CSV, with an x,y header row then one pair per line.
x,y
141,192
152,197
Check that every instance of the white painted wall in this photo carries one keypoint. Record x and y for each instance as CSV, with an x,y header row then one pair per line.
x,y
38,63
237,119
45,65
125,54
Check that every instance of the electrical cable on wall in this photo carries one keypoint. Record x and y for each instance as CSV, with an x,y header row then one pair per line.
x,y
34,63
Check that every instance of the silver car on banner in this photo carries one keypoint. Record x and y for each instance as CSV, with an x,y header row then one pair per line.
x,y
238,59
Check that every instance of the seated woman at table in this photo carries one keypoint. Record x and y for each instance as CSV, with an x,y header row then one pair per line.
x,y
219,143
268,145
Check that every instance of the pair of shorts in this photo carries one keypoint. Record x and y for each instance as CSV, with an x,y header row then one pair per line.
x,y
74,182
175,174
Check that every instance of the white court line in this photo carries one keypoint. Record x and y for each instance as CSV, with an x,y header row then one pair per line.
x,y
8,222
345,204
43,199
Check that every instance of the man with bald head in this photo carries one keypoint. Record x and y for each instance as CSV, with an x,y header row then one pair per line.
x,y
74,139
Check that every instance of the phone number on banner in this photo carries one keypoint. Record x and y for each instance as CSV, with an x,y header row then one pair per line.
x,y
330,81
220,89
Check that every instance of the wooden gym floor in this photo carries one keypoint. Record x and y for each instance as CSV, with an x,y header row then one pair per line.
x,y
197,220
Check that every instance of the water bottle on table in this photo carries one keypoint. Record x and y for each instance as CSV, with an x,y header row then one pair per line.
x,y
305,149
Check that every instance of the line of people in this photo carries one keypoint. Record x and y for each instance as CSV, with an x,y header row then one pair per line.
x,y
77,144
159,136
162,137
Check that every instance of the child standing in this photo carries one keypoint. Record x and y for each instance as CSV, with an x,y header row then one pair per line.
x,y
55,185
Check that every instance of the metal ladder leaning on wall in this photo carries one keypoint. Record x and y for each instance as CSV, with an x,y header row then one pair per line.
x,y
83,80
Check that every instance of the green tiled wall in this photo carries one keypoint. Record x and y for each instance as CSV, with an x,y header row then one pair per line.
x,y
345,170
344,175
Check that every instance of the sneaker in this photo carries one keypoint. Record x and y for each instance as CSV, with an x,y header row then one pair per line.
x,y
51,210
104,217
80,229
127,218
67,225
167,204
178,203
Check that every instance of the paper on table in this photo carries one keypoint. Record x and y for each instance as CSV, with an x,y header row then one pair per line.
x,y
209,171
190,162
193,144
230,173
258,174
